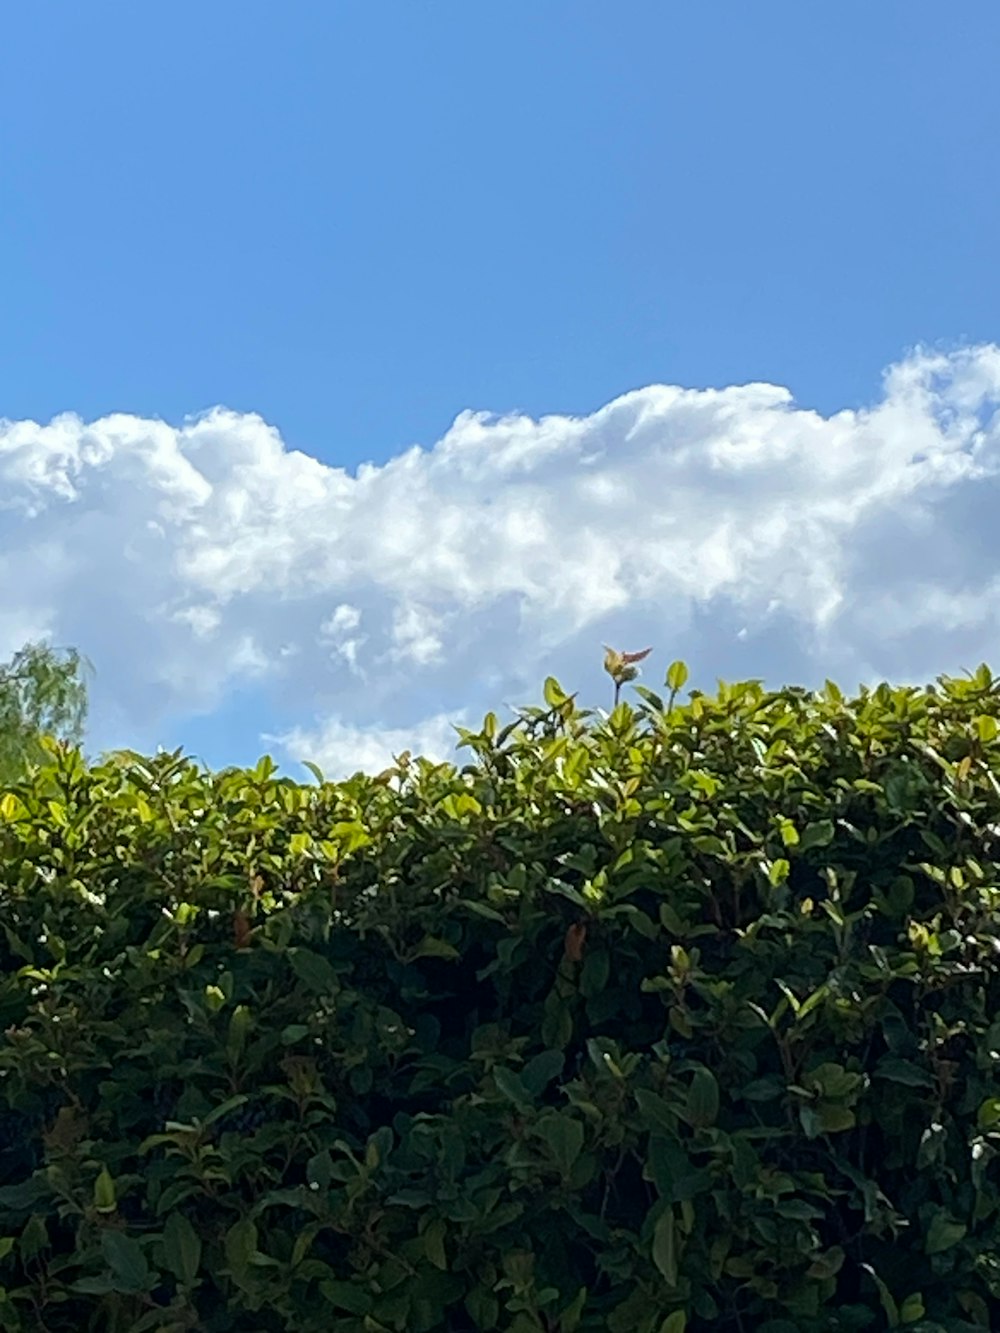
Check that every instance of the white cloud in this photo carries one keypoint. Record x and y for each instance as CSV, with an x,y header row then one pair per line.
x,y
341,749
728,526
415,635
338,632
345,617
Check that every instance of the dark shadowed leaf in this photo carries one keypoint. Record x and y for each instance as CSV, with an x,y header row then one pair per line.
x,y
182,1248
124,1256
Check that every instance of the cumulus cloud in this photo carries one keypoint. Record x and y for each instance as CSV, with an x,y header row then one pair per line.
x,y
339,748
729,526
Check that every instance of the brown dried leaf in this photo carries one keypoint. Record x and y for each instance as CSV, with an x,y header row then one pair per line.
x,y
576,937
241,929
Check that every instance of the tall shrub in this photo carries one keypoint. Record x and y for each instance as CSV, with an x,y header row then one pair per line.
x,y
680,1019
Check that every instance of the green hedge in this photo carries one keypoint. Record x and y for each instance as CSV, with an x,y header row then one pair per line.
x,y
684,1018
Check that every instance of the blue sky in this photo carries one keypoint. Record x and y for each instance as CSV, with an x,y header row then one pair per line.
x,y
358,221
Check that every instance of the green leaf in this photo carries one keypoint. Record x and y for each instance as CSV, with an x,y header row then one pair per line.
x,y
656,1113
779,871
181,1248
11,808
90,1286
674,1323
554,692
349,1296
834,1118
818,834
827,1264
677,674
986,728
799,1210
763,1089
789,833
833,1081
943,1232
432,947
604,1058
569,1319
239,1027
564,1137
511,1087
123,1255
675,1176
240,1247
897,1070
650,696
313,970
539,1072
34,1238
595,973
912,1309
702,1102
319,1169
224,1108
665,1247
26,1193
898,901
885,1297
810,1122
557,1021
433,1237
104,1192
152,1322
484,1309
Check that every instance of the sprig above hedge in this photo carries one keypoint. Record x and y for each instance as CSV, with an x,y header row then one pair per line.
x,y
679,1018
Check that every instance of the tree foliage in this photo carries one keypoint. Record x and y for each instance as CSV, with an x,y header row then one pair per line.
x,y
42,693
674,1020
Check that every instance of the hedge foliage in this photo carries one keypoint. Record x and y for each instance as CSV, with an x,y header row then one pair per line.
x,y
678,1019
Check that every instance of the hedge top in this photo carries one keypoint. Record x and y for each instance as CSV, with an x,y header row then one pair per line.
x,y
682,1018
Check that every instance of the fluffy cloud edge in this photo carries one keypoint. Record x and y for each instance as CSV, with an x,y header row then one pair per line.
x,y
190,561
